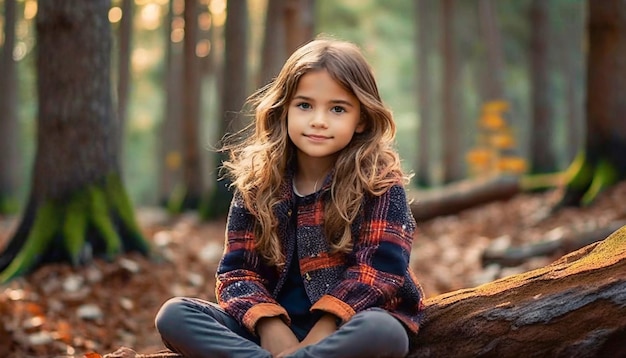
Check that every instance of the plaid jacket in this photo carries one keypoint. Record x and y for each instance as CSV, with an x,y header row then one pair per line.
x,y
375,274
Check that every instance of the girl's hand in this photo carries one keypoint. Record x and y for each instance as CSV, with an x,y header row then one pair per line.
x,y
323,328
275,335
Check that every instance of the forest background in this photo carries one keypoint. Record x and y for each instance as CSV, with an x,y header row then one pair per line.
x,y
387,31
515,91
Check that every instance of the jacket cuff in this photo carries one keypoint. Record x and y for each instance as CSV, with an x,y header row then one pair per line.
x,y
262,310
332,304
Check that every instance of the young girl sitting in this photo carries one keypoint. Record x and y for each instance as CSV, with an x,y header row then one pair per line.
x,y
319,232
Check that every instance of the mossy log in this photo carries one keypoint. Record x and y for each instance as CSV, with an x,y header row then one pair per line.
x,y
573,307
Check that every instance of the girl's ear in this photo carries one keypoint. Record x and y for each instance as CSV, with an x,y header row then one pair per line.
x,y
360,127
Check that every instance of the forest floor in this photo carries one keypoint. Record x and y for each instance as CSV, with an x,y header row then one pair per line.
x,y
61,311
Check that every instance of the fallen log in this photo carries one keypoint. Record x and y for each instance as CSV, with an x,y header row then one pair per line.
x,y
456,197
517,255
575,307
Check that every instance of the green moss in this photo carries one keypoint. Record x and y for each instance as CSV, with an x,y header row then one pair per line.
x,y
96,207
44,228
580,173
604,176
101,219
75,225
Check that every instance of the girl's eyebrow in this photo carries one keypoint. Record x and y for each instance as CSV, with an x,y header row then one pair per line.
x,y
332,101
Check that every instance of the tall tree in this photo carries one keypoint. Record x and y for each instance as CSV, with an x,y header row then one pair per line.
x,y
490,31
452,126
123,83
602,161
10,155
299,23
170,158
542,152
78,207
274,50
233,96
190,121
425,41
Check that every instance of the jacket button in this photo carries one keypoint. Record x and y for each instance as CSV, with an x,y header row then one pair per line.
x,y
307,276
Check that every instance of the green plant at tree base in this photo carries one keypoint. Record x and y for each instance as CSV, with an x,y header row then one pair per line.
x,y
97,220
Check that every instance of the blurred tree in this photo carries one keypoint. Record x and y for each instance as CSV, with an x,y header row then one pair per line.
x,y
451,135
190,121
125,36
274,52
493,86
233,97
425,47
170,158
299,23
602,161
9,129
78,207
542,152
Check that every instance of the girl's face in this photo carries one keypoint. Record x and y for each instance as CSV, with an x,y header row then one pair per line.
x,y
322,118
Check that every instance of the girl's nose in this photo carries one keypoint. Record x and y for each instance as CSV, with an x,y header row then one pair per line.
x,y
319,120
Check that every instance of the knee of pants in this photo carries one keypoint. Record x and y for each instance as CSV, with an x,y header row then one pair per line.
x,y
383,327
169,314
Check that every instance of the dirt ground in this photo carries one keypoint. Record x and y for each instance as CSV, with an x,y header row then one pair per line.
x,y
61,311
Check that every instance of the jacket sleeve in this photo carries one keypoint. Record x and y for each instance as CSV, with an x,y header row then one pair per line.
x,y
381,257
241,289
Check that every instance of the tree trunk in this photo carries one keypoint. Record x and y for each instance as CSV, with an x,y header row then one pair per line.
x,y
425,48
452,138
123,82
78,206
542,151
9,128
170,157
299,23
233,97
603,162
490,30
274,52
575,307
192,163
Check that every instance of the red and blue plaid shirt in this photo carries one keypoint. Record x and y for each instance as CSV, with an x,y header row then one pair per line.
x,y
375,273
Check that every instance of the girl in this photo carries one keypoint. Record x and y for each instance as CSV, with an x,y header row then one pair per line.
x,y
319,232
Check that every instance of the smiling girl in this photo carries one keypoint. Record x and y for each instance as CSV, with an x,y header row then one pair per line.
x,y
319,232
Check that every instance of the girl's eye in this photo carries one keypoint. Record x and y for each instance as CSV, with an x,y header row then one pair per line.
x,y
303,105
338,109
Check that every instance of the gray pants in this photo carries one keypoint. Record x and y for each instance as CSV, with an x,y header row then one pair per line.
x,y
197,328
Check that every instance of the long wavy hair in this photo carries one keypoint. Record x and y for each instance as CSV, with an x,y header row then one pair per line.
x,y
368,164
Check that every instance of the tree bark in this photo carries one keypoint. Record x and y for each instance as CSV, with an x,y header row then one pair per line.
x,y
274,51
424,46
602,163
9,133
78,207
542,152
573,307
190,121
170,151
452,126
123,82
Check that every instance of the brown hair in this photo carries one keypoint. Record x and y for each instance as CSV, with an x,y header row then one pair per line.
x,y
368,164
